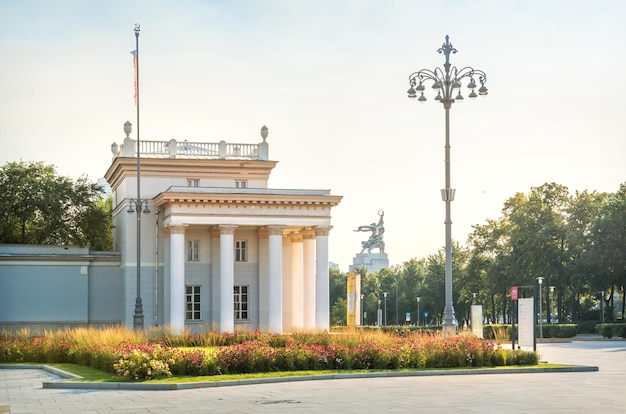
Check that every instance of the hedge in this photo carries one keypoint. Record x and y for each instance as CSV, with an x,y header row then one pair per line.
x,y
502,332
609,330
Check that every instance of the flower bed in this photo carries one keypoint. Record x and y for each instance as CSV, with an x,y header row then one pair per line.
x,y
138,357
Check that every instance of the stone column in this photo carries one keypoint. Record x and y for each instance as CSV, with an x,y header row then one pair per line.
x,y
322,288
275,278
297,305
227,278
177,277
308,237
264,275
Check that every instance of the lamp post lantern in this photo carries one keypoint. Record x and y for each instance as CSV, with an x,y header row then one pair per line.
x,y
447,82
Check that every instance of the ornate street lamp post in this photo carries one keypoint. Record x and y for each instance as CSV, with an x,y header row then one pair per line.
x,y
447,82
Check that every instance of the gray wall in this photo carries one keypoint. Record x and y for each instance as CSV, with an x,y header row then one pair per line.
x,y
47,287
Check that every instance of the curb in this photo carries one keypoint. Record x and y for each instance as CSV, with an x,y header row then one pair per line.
x,y
212,384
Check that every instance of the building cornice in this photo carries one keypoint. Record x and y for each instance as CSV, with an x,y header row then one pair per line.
x,y
124,167
249,198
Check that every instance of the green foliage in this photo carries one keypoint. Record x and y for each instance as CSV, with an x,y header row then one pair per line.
x,y
610,330
497,332
560,330
587,327
502,333
574,242
40,207
338,312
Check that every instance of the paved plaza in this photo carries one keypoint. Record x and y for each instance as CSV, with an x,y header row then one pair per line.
x,y
603,391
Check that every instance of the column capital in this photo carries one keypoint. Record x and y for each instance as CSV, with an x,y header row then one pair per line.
x,y
308,234
226,228
275,230
322,231
176,228
295,237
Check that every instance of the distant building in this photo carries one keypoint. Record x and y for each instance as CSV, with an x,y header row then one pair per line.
x,y
219,249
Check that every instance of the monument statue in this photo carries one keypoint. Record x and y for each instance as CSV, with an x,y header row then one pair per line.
x,y
376,238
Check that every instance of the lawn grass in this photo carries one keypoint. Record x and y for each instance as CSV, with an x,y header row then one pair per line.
x,y
94,375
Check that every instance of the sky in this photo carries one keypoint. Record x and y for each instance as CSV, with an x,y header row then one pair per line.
x,y
329,79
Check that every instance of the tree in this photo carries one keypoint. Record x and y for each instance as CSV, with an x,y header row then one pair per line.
x,y
338,312
607,251
488,264
40,207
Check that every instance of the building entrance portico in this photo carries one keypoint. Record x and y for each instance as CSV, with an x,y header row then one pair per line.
x,y
282,290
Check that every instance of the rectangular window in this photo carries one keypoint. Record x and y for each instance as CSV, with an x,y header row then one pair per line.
x,y
192,303
241,184
193,182
193,248
241,251
241,303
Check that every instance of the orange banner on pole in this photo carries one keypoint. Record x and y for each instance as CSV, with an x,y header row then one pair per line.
x,y
136,91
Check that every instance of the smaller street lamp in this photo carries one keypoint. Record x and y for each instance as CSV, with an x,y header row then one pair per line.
x,y
540,280
602,305
396,303
362,310
418,311
385,308
551,303
378,315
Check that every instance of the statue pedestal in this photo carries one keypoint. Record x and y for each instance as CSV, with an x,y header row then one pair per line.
x,y
373,262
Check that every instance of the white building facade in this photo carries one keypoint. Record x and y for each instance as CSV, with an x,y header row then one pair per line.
x,y
219,248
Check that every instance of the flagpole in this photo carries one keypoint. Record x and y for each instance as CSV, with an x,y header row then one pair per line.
x,y
138,316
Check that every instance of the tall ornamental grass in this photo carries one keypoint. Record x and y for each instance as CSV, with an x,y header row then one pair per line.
x,y
138,355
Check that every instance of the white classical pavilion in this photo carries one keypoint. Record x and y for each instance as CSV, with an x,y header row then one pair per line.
x,y
219,249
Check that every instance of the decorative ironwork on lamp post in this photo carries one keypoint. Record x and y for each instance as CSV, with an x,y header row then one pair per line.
x,y
447,82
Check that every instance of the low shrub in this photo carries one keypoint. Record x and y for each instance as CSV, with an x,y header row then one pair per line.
x,y
587,327
497,332
559,330
143,362
609,330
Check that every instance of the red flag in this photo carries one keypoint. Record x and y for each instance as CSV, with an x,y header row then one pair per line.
x,y
136,93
